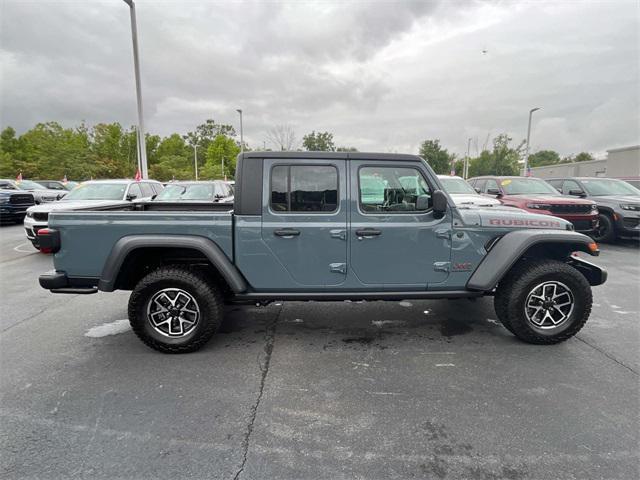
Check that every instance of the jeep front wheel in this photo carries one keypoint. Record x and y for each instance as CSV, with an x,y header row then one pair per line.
x,y
175,310
543,303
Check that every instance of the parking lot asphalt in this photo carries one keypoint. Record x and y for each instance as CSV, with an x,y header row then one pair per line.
x,y
412,389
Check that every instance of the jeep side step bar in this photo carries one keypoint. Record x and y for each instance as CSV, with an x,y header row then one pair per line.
x,y
338,296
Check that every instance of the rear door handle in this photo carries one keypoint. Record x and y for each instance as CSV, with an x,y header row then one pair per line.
x,y
367,233
286,233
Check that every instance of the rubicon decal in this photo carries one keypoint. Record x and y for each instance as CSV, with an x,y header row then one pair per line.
x,y
517,222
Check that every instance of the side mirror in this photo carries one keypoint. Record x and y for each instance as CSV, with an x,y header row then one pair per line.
x,y
153,197
477,190
577,193
131,196
423,202
439,204
494,191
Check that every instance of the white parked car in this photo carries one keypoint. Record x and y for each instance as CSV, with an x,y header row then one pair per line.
x,y
94,194
464,194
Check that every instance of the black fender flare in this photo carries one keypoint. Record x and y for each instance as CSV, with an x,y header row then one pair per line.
x,y
512,246
125,245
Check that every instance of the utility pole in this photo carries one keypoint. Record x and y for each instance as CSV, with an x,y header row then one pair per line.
x,y
239,110
466,160
142,148
526,154
223,175
195,159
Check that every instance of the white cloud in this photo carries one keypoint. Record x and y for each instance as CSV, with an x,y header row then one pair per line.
x,y
380,75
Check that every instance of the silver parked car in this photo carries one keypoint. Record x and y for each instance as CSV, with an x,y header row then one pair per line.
x,y
41,194
94,194
215,191
463,194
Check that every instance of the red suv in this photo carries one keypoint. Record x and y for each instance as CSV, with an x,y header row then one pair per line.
x,y
537,196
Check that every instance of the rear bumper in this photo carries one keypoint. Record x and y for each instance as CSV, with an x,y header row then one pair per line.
x,y
58,282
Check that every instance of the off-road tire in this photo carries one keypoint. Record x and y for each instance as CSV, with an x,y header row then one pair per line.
x,y
513,290
206,294
606,231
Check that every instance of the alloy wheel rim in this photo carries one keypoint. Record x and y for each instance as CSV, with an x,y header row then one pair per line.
x,y
173,312
549,305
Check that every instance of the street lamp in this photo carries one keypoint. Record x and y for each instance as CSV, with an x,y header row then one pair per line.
x,y
526,155
195,159
142,148
239,110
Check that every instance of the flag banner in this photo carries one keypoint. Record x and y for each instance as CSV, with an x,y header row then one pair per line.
x,y
138,176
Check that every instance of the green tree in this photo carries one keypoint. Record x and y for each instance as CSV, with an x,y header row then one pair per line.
x,y
9,165
318,142
581,157
346,149
222,147
503,159
437,157
544,157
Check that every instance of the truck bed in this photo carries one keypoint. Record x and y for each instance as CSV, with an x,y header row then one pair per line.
x,y
91,235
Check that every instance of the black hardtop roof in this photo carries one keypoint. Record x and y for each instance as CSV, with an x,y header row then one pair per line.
x,y
333,155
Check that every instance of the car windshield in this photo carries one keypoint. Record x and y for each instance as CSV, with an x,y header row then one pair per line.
x,y
69,185
29,185
527,186
97,191
456,185
608,186
187,192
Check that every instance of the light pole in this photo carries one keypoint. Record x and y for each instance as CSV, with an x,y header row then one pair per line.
x,y
239,110
223,175
142,148
465,170
526,154
195,159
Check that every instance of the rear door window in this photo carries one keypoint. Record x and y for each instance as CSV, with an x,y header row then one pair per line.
x,y
304,188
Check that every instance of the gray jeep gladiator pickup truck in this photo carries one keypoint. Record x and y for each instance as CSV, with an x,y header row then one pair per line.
x,y
323,226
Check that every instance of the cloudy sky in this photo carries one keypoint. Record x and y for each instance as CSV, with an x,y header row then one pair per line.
x,y
380,75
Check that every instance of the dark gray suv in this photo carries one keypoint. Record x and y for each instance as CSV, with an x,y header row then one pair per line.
x,y
618,204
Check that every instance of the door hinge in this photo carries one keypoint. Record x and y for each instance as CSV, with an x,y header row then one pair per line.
x,y
338,267
441,266
341,234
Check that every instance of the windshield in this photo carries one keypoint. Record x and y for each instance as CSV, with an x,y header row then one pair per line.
x,y
525,186
187,192
456,185
608,186
97,191
29,185
69,185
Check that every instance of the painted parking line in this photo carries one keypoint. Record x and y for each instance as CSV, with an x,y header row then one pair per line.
x,y
18,248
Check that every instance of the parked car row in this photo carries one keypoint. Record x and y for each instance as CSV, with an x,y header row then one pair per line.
x,y
109,194
603,208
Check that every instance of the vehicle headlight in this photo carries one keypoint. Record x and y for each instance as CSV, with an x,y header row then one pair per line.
x,y
594,208
29,214
539,206
630,206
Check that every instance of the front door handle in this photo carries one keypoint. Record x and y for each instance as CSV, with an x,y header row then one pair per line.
x,y
367,233
286,233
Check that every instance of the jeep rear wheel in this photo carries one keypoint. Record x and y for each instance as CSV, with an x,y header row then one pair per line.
x,y
175,310
543,303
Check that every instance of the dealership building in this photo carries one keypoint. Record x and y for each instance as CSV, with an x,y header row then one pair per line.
x,y
620,163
